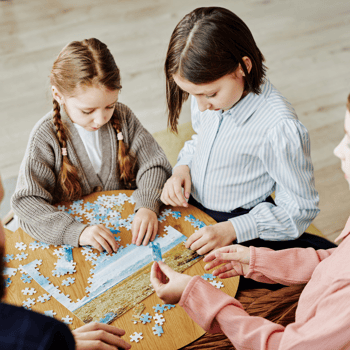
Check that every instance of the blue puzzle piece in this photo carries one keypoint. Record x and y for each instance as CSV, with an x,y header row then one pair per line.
x,y
176,214
109,317
208,276
190,218
145,318
156,251
157,330
8,257
26,278
159,309
7,282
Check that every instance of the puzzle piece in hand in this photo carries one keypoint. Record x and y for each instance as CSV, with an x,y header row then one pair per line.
x,y
217,284
43,298
157,330
67,282
29,291
49,313
156,251
159,319
21,246
159,308
208,276
67,320
145,318
136,337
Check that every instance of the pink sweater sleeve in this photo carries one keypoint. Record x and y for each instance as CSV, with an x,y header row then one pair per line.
x,y
288,267
216,312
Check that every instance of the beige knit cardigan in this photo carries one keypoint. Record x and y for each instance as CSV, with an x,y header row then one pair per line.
x,y
36,190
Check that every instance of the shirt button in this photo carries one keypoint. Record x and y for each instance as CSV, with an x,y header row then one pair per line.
x,y
98,189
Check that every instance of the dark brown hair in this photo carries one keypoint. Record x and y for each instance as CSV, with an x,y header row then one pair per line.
x,y
348,103
86,63
207,44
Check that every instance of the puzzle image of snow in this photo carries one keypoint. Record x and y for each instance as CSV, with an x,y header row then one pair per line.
x,y
117,267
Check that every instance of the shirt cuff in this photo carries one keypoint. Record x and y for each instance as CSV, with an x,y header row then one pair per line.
x,y
184,161
245,227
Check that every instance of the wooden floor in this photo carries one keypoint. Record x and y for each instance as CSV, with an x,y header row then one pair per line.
x,y
306,45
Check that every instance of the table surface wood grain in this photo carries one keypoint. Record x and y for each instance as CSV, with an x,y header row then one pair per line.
x,y
179,329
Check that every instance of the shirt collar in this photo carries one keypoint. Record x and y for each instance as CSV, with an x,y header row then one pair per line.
x,y
345,231
249,104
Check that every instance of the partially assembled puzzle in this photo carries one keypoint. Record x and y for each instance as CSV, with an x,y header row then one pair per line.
x,y
119,281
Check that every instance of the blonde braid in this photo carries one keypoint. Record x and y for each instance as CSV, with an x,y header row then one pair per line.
x,y
68,179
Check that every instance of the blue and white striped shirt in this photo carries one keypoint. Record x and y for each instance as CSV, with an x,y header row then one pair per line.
x,y
239,157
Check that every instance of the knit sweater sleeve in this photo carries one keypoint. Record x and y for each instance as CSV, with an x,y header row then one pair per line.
x,y
33,199
153,166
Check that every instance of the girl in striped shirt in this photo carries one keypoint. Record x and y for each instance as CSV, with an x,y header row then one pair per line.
x,y
248,141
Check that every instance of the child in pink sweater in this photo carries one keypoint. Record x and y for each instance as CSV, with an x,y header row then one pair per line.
x,y
322,319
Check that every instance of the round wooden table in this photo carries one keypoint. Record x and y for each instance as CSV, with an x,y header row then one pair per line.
x,y
179,329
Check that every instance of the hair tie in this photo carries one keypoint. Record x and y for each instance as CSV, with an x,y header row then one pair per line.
x,y
120,136
64,151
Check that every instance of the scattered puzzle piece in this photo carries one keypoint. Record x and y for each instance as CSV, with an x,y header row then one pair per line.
x,y
21,256
26,278
159,308
157,330
50,313
208,276
159,319
34,245
67,319
136,337
29,303
28,291
217,284
43,298
21,246
67,282
145,318
8,257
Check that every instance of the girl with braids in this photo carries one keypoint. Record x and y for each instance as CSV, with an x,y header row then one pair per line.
x,y
248,142
89,142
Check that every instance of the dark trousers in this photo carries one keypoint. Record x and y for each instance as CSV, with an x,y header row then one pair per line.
x,y
306,240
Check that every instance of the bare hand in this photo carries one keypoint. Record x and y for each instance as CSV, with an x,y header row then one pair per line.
x,y
236,257
99,336
168,284
172,191
144,226
99,237
209,238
